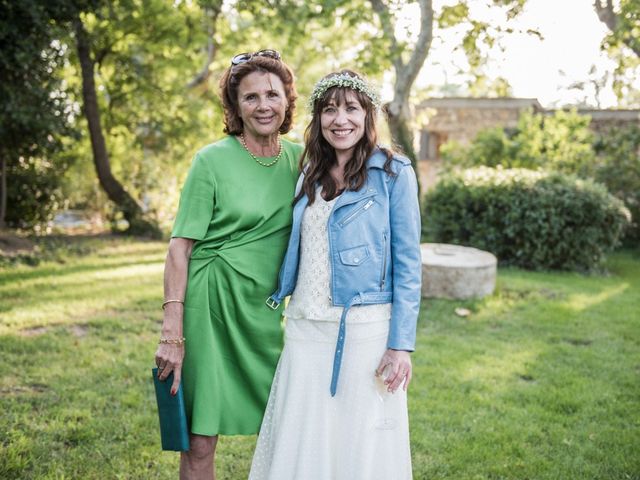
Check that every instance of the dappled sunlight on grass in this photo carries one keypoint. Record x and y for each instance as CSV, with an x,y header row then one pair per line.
x,y
140,270
100,284
86,302
73,277
135,248
539,381
579,302
499,368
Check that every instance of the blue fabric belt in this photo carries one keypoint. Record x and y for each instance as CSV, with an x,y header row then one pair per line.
x,y
359,299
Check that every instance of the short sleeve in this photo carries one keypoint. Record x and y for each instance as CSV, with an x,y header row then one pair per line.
x,y
196,202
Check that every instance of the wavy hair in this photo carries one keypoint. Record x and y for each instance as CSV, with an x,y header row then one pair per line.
x,y
231,78
319,156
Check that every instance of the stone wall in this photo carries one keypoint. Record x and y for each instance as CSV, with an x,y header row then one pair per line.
x,y
460,120
604,120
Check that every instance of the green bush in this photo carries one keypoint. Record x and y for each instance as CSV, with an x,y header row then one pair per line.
x,y
531,219
618,167
33,192
560,142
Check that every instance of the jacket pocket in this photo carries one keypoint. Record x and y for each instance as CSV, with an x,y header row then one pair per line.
x,y
350,217
354,256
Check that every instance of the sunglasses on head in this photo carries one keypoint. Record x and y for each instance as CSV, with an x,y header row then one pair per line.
x,y
245,57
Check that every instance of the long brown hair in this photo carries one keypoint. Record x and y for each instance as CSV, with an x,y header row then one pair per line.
x,y
319,156
231,79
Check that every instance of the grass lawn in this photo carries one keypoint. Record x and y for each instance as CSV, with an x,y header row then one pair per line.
x,y
541,381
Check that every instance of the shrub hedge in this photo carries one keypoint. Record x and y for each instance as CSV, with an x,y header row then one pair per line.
x,y
561,142
618,167
531,219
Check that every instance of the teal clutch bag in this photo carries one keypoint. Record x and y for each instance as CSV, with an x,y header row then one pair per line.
x,y
173,418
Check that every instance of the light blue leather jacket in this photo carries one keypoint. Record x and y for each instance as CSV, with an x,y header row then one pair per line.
x,y
374,249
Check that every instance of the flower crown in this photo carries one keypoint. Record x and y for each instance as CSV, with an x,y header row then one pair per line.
x,y
346,81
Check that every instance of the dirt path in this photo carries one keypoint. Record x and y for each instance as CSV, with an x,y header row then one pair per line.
x,y
11,244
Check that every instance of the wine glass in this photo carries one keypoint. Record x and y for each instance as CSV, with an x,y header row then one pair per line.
x,y
385,422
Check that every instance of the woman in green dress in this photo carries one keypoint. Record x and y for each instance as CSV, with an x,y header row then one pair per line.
x,y
228,240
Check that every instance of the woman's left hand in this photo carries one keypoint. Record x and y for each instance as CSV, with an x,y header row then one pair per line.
x,y
399,363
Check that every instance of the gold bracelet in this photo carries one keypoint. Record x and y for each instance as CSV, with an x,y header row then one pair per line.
x,y
172,341
166,302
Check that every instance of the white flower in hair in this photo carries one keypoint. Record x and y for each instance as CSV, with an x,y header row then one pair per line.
x,y
343,80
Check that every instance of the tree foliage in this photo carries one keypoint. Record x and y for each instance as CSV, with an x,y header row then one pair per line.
x,y
115,44
561,142
623,45
156,68
407,61
618,167
479,38
34,110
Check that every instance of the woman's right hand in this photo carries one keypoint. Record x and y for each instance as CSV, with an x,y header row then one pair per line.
x,y
169,358
401,370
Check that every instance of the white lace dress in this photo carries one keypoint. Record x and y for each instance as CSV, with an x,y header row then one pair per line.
x,y
363,432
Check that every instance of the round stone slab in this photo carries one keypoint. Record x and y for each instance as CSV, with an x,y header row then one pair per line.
x,y
453,271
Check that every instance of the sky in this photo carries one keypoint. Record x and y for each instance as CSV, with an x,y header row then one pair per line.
x,y
542,69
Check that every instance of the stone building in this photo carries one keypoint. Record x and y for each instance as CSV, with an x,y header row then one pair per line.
x,y
461,119
603,120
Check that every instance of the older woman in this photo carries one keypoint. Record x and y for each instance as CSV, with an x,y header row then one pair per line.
x,y
227,243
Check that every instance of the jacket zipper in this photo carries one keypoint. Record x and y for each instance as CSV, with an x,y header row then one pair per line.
x,y
384,261
356,212
331,283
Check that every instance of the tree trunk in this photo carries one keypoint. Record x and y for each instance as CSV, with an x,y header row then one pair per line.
x,y
398,116
3,191
114,190
611,19
402,135
211,12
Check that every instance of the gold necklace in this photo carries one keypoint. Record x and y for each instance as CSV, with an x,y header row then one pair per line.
x,y
273,162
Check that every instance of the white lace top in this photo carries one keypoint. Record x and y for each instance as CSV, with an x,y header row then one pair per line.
x,y
310,298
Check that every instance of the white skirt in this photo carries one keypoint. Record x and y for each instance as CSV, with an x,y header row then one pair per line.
x,y
360,434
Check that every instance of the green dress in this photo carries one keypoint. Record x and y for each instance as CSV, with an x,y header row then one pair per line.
x,y
239,213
